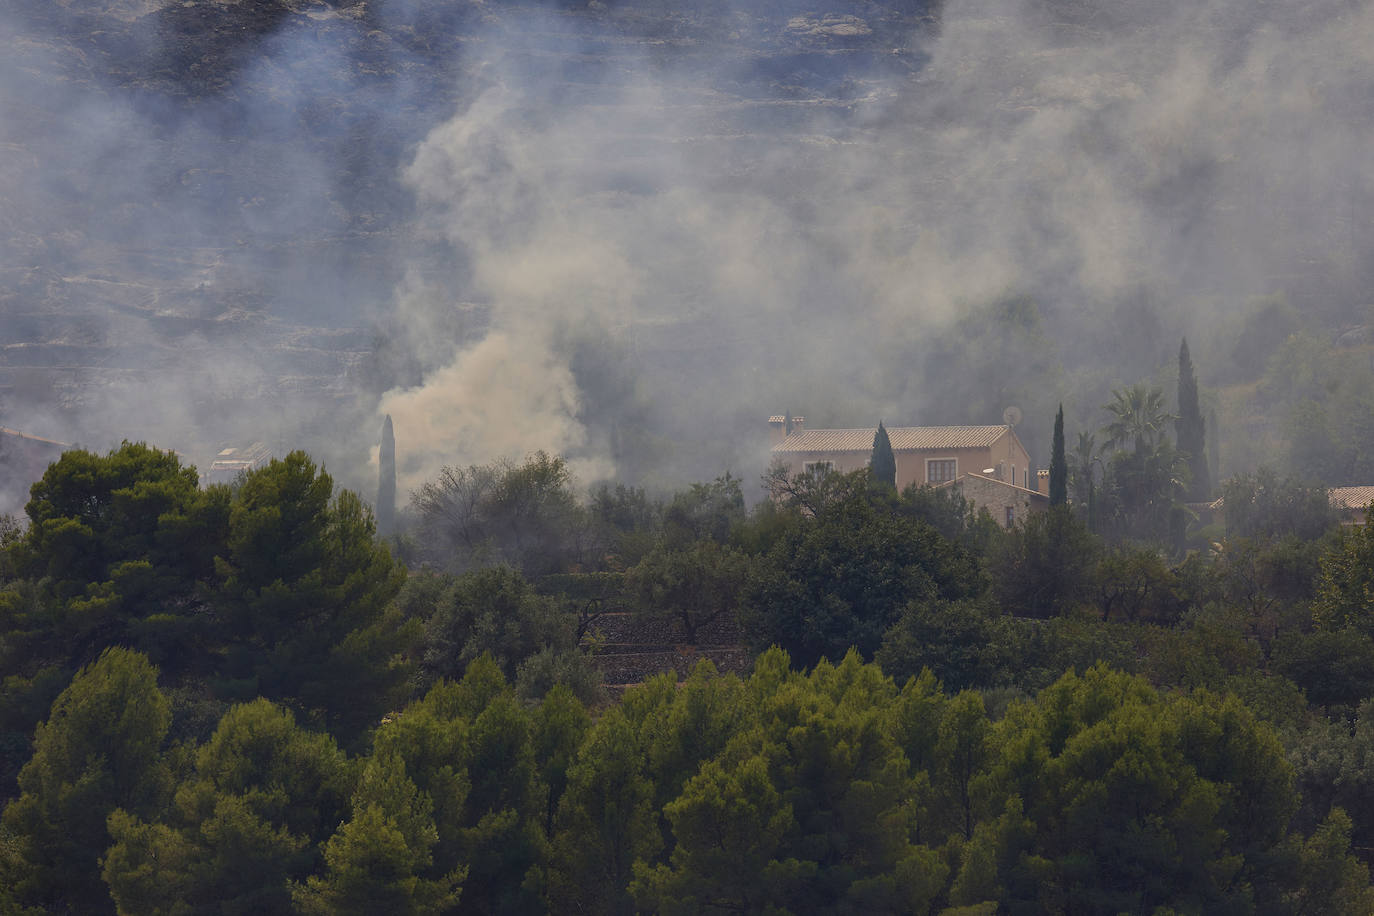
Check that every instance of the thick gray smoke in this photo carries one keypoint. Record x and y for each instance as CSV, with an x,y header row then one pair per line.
x,y
189,223
756,254
628,235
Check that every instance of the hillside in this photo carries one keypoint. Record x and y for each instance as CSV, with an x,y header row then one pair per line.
x,y
205,210
589,227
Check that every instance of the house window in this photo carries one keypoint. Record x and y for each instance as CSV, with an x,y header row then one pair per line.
x,y
939,470
1011,516
818,468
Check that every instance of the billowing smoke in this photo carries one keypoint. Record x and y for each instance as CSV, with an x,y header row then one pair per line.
x,y
198,201
1140,171
628,234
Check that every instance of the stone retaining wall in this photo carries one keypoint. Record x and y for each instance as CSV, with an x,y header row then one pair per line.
x,y
630,650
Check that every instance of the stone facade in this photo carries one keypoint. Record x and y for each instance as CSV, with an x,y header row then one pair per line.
x,y
925,454
1007,504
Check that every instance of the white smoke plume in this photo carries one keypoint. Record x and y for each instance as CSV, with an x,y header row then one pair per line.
x,y
628,234
805,252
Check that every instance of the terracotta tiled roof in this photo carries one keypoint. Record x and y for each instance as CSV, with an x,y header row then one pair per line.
x,y
1351,497
903,438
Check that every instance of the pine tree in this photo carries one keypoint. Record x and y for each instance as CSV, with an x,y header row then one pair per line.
x,y
882,466
1059,464
386,480
1190,428
99,750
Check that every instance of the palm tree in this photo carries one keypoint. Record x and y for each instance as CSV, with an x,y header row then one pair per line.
x,y
1145,486
1138,417
1081,461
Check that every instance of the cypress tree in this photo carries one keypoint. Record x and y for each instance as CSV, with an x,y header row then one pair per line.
x,y
882,465
1059,464
1214,445
1190,428
386,480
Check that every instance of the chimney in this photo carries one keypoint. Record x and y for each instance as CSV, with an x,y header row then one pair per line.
x,y
777,429
1042,482
780,426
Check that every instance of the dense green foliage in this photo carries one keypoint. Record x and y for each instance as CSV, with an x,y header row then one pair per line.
x,y
524,515
839,576
835,789
275,588
98,751
693,587
1190,428
1266,505
1146,475
115,547
1059,463
1345,595
882,464
941,717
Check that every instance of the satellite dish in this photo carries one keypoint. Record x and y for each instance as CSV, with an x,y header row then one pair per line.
x,y
1011,416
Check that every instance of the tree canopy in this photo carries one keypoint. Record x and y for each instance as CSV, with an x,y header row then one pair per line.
x,y
1190,429
882,464
943,716
1059,463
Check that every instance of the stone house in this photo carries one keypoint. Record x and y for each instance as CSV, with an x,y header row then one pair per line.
x,y
1006,502
988,464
